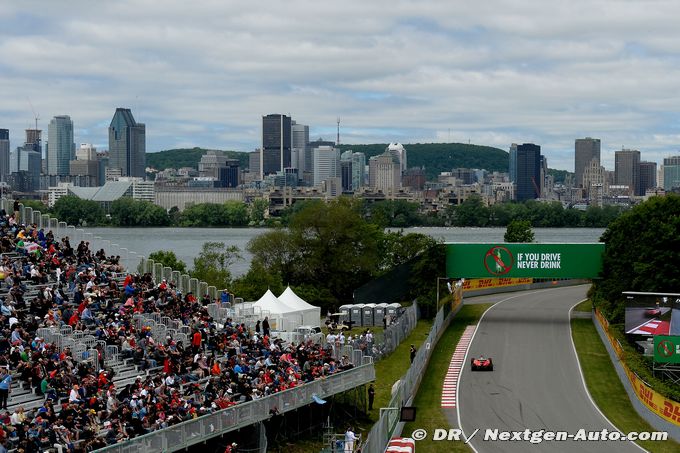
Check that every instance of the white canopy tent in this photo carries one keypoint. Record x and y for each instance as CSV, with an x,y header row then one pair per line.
x,y
311,315
281,315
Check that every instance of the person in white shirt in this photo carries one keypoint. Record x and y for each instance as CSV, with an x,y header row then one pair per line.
x,y
350,438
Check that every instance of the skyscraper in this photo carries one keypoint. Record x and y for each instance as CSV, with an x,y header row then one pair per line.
x,y
671,173
276,143
398,151
647,176
512,167
528,172
60,145
127,144
627,169
4,154
358,167
346,175
326,163
299,143
585,150
384,173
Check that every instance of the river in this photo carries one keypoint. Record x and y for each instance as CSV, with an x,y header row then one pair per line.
x,y
187,242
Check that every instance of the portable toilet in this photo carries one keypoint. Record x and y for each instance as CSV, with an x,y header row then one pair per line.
x,y
379,313
346,314
367,315
356,314
393,310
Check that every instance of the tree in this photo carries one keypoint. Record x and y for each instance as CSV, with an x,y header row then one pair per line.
x,y
641,254
259,209
127,211
36,205
256,282
519,231
168,259
75,211
212,264
472,212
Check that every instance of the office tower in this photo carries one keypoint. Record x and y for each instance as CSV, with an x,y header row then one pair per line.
x,y
384,173
4,154
346,175
585,150
254,163
87,151
398,151
512,162
33,140
647,176
127,144
627,169
60,145
595,182
276,143
326,163
229,174
528,172
671,173
358,167
84,170
299,142
210,163
414,178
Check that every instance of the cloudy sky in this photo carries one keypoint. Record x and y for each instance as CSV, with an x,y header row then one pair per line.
x,y
202,73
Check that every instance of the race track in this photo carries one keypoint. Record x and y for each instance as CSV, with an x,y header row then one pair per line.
x,y
536,382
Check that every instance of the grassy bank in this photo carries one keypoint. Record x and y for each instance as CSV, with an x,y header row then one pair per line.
x,y
606,388
428,399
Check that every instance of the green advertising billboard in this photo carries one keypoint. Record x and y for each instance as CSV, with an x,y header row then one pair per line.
x,y
666,349
524,260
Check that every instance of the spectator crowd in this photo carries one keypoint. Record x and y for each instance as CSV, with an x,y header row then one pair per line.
x,y
47,282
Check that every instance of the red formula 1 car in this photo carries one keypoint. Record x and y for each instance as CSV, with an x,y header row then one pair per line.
x,y
652,312
481,364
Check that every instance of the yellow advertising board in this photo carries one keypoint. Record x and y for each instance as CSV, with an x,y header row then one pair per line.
x,y
665,408
473,284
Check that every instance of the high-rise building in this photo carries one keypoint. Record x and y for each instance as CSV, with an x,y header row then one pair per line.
x,y
4,154
627,169
647,176
585,150
671,173
595,182
127,144
60,145
528,172
33,140
414,178
254,166
301,155
87,151
84,170
398,151
358,167
384,173
276,143
229,175
512,167
346,175
326,163
210,163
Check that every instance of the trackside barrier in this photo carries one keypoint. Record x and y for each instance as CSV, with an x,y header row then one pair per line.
x,y
407,387
185,434
658,404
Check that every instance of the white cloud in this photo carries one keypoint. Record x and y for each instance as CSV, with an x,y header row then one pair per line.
x,y
496,72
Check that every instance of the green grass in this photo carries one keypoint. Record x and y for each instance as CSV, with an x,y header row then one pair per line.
x,y
586,305
606,388
428,399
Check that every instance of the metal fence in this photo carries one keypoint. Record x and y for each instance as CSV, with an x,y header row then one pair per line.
x,y
388,424
195,431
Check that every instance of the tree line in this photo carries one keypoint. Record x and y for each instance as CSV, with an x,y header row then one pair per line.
x,y
127,212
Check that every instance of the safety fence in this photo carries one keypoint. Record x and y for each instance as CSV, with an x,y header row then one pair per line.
x,y
188,433
387,340
658,404
407,387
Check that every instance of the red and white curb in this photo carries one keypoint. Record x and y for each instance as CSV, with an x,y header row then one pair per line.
x,y
451,380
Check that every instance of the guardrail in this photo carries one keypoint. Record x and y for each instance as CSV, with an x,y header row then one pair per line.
x,y
186,434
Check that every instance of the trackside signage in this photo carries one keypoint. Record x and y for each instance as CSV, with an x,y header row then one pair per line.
x,y
666,349
524,260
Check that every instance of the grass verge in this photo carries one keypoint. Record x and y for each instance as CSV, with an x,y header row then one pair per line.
x,y
586,305
606,388
428,399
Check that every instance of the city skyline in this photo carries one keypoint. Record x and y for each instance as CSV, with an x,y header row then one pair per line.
x,y
487,74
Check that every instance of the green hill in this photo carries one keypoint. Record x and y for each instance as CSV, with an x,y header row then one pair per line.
x,y
439,157
187,157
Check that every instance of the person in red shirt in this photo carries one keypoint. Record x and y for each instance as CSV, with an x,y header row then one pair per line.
x,y
196,341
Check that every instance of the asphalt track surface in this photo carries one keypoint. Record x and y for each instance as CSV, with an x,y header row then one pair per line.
x,y
536,382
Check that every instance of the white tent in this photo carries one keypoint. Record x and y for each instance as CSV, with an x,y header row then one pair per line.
x,y
281,315
311,315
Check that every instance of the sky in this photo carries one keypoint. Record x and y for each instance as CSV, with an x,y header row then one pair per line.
x,y
203,73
